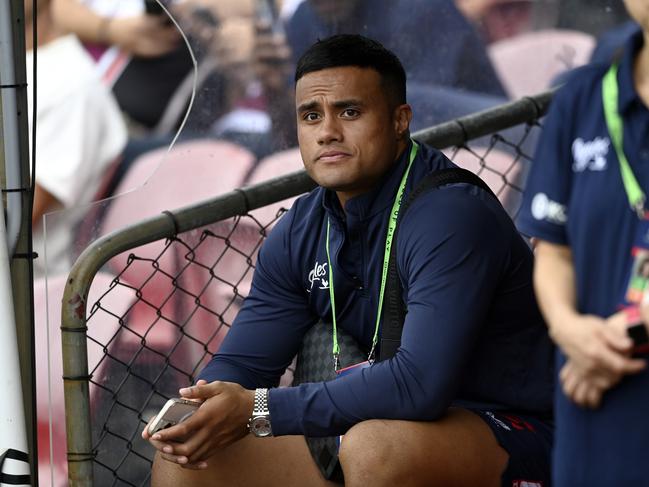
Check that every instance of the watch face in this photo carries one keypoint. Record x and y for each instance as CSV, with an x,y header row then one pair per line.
x,y
260,426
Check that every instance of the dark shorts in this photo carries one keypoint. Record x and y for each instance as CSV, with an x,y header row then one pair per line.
x,y
528,441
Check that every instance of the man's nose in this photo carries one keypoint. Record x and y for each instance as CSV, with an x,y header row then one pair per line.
x,y
330,131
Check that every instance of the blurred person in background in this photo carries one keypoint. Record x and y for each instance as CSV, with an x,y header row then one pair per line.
x,y
591,16
498,19
79,132
585,203
140,53
444,57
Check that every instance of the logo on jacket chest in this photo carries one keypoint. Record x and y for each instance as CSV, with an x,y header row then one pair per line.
x,y
318,276
590,155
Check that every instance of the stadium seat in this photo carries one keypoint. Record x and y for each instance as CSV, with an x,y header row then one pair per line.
x,y
501,170
172,293
279,164
527,63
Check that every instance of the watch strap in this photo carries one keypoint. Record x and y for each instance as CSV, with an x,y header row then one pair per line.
x,y
261,403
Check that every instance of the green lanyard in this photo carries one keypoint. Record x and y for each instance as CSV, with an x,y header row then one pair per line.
x,y
392,225
615,126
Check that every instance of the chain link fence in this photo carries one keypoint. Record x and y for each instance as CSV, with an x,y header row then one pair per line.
x,y
174,283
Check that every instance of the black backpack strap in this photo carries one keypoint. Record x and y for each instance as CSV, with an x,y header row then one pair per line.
x,y
394,310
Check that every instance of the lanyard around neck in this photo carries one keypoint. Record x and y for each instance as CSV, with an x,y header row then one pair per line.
x,y
615,126
392,225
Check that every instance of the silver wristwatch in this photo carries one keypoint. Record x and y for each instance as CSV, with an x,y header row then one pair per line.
x,y
259,422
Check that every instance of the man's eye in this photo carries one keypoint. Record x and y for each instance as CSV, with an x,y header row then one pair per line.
x,y
350,113
311,116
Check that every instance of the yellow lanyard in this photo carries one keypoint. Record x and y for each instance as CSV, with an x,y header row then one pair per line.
x,y
615,126
392,225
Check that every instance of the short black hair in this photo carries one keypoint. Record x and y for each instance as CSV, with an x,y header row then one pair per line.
x,y
356,50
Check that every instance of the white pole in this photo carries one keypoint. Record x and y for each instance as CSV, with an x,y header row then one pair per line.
x,y
13,437
10,124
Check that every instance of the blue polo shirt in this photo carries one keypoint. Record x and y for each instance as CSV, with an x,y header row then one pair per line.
x,y
435,43
473,334
575,197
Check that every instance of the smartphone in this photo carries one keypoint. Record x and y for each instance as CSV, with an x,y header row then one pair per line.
x,y
175,410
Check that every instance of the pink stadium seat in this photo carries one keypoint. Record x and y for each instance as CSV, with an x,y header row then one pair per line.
x,y
276,165
49,387
527,63
190,173
279,164
498,169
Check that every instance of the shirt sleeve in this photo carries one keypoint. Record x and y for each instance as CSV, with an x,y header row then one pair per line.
x,y
450,261
268,330
544,211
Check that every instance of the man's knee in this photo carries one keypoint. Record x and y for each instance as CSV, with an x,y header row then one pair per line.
x,y
367,455
164,474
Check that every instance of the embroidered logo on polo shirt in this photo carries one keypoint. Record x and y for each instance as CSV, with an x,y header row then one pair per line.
x,y
590,155
318,275
543,208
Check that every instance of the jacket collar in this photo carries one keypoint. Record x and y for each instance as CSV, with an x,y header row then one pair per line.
x,y
628,95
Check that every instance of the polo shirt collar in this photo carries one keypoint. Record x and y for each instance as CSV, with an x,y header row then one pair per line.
x,y
628,95
375,200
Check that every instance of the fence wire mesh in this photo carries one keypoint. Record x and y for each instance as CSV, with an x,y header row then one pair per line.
x,y
169,304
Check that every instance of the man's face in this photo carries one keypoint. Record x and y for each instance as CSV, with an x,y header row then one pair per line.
x,y
349,131
334,10
639,11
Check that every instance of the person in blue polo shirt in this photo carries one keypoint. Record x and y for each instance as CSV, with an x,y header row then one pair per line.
x,y
585,204
465,400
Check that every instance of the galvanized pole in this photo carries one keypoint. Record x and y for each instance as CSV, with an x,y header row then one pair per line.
x,y
17,194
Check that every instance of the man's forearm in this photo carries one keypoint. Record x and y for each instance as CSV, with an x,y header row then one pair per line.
x,y
75,17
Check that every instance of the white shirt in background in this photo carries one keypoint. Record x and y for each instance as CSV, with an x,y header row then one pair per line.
x,y
79,133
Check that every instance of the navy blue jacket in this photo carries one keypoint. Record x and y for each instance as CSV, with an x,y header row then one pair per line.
x,y
473,334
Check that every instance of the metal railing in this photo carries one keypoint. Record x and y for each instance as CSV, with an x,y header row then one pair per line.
x,y
177,299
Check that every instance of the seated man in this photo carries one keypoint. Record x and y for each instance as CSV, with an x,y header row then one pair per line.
x,y
466,398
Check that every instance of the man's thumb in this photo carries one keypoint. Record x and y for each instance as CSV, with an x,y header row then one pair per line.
x,y
202,390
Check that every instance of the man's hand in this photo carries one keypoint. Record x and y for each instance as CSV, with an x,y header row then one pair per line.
x,y
143,35
221,420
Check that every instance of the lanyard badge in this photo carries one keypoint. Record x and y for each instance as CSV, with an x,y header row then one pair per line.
x,y
392,225
638,275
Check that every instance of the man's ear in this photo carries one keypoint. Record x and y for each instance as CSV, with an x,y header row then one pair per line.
x,y
402,118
